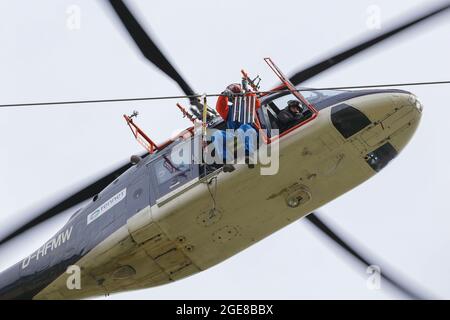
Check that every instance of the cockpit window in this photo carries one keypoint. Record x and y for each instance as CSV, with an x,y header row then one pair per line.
x,y
313,96
174,167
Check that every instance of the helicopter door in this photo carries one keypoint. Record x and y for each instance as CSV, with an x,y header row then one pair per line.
x,y
268,113
174,169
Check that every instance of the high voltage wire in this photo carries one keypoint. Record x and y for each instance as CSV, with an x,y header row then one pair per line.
x,y
53,103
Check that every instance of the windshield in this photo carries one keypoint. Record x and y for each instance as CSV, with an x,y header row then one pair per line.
x,y
313,97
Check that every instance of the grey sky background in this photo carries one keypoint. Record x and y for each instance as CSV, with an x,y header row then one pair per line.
x,y
401,215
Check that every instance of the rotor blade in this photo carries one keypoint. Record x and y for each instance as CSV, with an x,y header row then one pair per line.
x,y
147,46
85,193
319,224
330,62
151,51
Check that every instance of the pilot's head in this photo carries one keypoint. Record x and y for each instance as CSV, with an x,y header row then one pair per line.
x,y
294,106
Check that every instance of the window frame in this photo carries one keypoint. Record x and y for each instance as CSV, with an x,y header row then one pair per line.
x,y
163,190
268,139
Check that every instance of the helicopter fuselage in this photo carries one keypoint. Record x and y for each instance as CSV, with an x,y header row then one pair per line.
x,y
147,229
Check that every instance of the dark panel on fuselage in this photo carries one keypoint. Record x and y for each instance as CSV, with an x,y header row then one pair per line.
x,y
379,158
348,120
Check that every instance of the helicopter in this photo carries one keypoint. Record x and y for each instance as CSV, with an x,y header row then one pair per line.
x,y
137,232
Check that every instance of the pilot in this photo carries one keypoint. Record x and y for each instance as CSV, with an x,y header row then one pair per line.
x,y
238,109
290,115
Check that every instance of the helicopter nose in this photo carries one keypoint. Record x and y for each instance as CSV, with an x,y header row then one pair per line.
x,y
395,117
390,116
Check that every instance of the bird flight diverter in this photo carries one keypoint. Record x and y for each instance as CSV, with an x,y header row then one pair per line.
x,y
246,80
243,108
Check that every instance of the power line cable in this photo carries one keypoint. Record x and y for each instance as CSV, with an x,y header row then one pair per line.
x,y
54,103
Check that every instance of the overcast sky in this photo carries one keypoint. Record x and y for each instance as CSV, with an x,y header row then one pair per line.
x,y
402,215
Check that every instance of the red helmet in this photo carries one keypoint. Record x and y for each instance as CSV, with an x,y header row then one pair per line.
x,y
235,88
